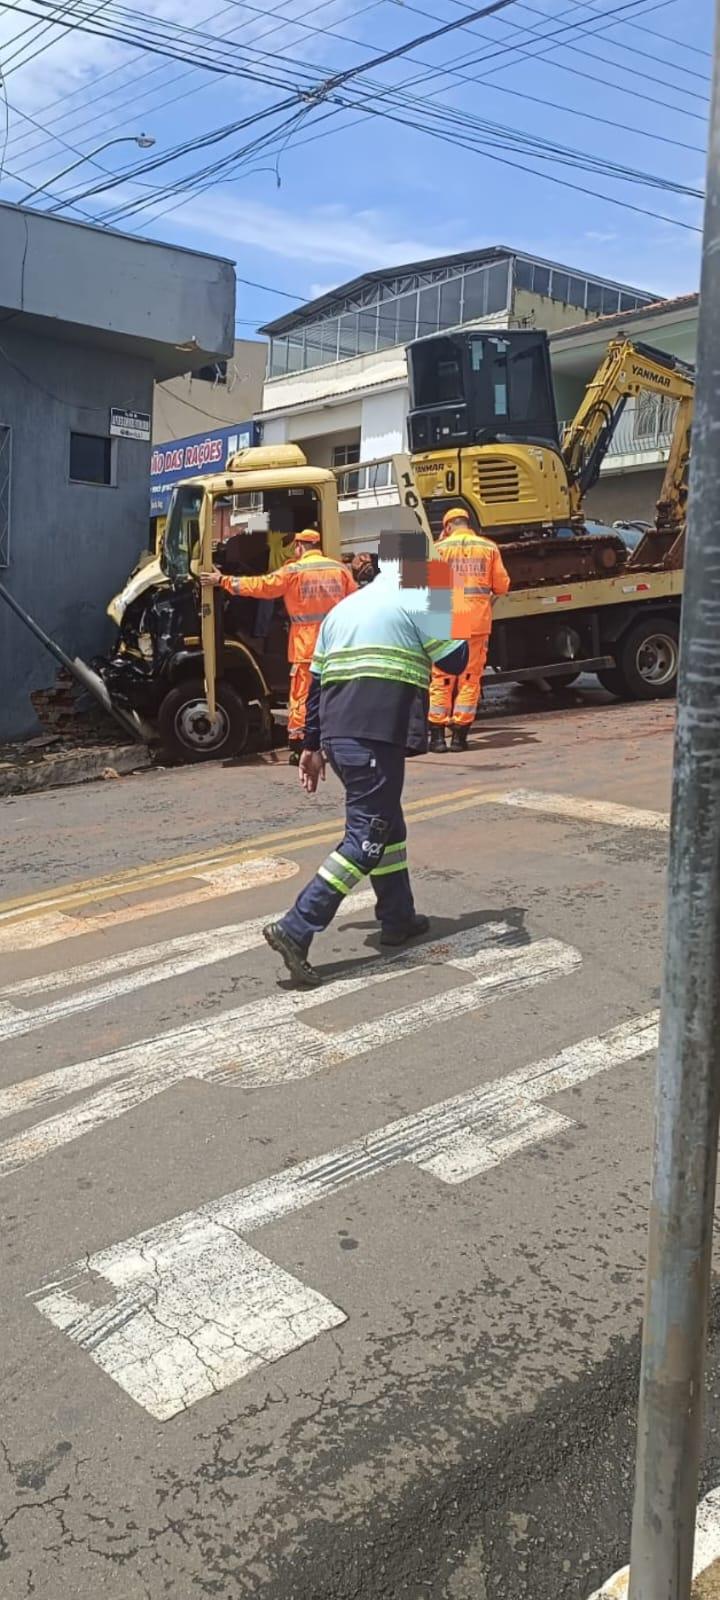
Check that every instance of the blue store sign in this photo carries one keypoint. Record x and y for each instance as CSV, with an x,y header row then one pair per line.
x,y
187,458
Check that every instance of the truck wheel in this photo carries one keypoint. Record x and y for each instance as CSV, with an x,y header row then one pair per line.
x,y
647,660
185,727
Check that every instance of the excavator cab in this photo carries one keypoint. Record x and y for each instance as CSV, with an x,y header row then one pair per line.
x,y
481,388
483,430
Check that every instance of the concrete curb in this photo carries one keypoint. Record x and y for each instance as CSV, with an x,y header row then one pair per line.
x,y
71,766
705,1587
706,1563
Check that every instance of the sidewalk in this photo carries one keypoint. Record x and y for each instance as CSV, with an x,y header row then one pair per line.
x,y
50,762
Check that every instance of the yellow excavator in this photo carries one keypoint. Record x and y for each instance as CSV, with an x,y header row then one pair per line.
x,y
483,432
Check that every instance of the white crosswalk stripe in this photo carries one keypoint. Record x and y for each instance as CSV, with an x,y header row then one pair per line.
x,y
262,1042
192,1307
135,969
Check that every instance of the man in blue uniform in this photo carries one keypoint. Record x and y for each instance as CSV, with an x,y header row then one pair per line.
x,y
371,658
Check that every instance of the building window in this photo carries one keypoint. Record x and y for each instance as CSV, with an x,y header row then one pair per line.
x,y
577,292
541,280
5,438
348,337
497,286
407,313
346,455
328,332
594,296
561,287
428,310
278,357
523,274
450,302
90,458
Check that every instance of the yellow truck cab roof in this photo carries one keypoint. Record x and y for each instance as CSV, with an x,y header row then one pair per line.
x,y
267,478
273,466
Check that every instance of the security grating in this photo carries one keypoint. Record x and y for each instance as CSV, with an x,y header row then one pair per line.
x,y
5,436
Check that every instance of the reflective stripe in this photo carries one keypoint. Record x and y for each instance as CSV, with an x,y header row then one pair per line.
x,y
308,616
480,588
394,859
340,873
437,648
414,680
399,666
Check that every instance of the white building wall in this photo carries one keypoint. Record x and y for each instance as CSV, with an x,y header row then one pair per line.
x,y
382,424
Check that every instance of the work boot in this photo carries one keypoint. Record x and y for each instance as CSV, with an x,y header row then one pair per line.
x,y
296,749
293,955
459,739
405,931
437,739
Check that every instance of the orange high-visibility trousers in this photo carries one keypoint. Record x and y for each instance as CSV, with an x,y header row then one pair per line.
x,y
454,700
297,703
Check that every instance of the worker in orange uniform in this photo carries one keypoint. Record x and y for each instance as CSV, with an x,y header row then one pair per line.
x,y
478,574
310,585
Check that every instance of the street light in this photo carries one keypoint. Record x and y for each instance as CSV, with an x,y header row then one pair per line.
x,y
144,141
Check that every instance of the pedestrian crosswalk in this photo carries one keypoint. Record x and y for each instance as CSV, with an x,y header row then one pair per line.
x,y
193,1305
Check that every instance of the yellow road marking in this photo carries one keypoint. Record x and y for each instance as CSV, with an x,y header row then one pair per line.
x,y
53,927
178,868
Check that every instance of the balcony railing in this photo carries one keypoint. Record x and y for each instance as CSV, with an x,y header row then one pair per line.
x,y
643,433
364,480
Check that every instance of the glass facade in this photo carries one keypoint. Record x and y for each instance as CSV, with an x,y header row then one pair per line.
x,y
381,315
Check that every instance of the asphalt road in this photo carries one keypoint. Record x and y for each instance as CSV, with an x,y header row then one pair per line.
x,y
321,1297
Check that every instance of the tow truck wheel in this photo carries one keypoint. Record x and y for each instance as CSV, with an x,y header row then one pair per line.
x,y
647,661
187,730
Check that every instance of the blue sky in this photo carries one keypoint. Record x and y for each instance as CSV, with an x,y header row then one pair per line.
x,y
346,190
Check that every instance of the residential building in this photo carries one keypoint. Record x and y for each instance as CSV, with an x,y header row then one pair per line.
x,y
222,392
89,319
337,371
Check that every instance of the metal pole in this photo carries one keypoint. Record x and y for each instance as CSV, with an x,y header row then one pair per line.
x,y
82,673
688,1083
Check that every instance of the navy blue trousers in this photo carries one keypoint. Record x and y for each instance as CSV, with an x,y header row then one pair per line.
x,y
373,844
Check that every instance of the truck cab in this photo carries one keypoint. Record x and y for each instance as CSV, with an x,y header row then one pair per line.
x,y
211,694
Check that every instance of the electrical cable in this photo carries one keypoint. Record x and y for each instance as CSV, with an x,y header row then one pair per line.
x,y
318,93
576,72
645,55
175,78
460,77
3,91
322,93
590,163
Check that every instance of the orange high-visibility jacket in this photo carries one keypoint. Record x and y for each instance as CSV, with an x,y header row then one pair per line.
x,y
478,573
310,588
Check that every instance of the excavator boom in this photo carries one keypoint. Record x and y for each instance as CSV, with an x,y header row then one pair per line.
x,y
628,369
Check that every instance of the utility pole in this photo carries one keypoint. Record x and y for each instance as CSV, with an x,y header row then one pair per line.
x,y
688,1083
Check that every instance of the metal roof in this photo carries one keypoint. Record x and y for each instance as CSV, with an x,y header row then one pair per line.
x,y
500,252
620,318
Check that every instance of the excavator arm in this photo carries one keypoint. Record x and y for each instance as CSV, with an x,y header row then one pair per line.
x,y
628,369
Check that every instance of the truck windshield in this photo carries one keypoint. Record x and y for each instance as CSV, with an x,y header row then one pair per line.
x,y
182,531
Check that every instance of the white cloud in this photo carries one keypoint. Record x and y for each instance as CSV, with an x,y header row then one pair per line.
x,y
336,235
62,77
600,238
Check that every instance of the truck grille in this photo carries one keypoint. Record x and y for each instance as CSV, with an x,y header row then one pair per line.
x,y
498,481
